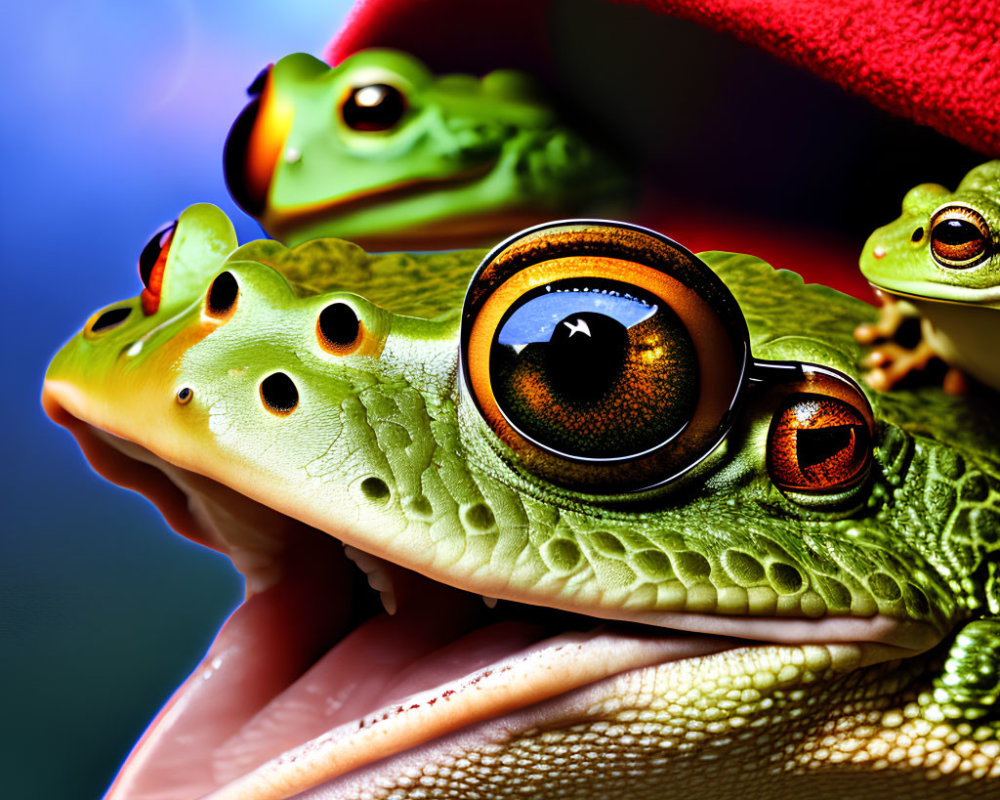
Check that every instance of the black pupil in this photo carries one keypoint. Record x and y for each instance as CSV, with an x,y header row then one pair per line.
x,y
279,392
111,318
586,353
222,293
376,107
339,324
815,445
956,232
151,252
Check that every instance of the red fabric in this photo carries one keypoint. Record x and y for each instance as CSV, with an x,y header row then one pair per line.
x,y
937,63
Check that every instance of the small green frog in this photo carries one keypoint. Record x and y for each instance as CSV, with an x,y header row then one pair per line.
x,y
380,151
709,558
939,261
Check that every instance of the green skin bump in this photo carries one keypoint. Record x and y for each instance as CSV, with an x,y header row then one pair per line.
x,y
470,160
916,544
959,304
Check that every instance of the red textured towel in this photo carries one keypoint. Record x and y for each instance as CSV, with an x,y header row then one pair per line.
x,y
936,63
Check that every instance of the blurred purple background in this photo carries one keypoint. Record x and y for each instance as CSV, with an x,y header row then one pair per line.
x,y
114,118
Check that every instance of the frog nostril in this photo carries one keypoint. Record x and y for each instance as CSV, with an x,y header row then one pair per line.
x,y
110,319
340,330
918,235
222,295
184,395
279,393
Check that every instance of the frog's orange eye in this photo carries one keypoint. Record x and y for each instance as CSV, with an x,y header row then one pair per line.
x,y
960,237
152,263
820,439
375,107
594,368
604,356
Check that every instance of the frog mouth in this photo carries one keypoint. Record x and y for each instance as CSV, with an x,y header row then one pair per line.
x,y
311,687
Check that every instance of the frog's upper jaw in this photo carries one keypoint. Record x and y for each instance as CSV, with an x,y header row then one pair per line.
x,y
244,724
314,155
254,419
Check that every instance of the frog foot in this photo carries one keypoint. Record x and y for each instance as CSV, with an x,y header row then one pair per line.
x,y
891,316
969,687
891,362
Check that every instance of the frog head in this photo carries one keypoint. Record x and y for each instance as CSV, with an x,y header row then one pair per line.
x,y
378,149
649,458
945,245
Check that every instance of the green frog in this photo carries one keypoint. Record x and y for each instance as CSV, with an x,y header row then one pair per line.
x,y
381,151
585,515
940,261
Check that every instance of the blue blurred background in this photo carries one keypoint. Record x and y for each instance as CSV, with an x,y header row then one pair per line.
x,y
114,118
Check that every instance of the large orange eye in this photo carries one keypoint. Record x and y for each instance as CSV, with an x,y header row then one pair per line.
x,y
960,237
821,437
606,357
152,263
594,368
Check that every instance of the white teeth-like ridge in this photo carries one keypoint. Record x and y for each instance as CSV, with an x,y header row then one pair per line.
x,y
378,575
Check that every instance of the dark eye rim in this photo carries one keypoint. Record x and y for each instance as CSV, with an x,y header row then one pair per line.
x,y
971,216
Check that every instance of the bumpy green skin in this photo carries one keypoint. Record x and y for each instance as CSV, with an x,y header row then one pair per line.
x,y
959,307
391,445
468,153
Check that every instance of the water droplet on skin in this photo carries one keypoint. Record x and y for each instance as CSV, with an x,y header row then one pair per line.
x,y
879,252
293,155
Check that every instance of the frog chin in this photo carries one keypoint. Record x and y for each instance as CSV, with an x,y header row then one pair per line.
x,y
311,686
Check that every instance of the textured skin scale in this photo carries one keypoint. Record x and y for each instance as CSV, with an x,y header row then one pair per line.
x,y
471,160
388,446
959,308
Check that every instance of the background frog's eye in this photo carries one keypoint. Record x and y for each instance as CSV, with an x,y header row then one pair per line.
x,y
821,441
604,356
152,263
960,237
375,107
